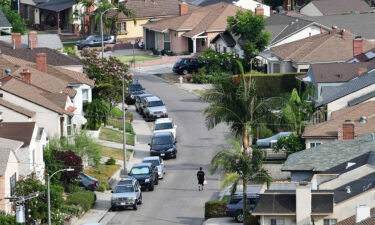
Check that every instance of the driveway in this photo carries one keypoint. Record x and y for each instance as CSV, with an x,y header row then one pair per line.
x,y
176,200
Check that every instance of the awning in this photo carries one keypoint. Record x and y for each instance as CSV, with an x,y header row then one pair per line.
x,y
56,5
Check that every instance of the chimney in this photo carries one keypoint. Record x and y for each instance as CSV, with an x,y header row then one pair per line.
x,y
16,40
303,203
362,213
334,30
358,46
26,76
362,70
342,32
259,10
33,40
346,132
184,8
41,62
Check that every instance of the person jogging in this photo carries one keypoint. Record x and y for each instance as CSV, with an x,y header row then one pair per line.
x,y
201,178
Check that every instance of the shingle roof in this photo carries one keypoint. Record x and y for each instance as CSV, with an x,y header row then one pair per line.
x,y
227,38
359,24
6,147
4,21
285,203
329,129
329,154
331,7
365,57
56,5
52,41
17,108
354,85
351,220
326,47
205,19
18,131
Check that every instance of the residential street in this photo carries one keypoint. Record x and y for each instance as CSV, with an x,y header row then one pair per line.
x,y
176,200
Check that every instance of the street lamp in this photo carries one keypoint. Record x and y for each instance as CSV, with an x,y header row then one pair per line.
x,y
49,191
101,28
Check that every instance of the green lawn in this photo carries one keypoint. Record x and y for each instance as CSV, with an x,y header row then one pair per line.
x,y
102,172
119,125
138,58
109,134
114,152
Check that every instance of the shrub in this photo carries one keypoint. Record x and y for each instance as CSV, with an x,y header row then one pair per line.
x,y
214,209
116,112
203,78
69,159
70,50
96,113
84,199
119,125
72,210
18,23
103,185
155,52
111,161
217,62
7,219
186,53
71,188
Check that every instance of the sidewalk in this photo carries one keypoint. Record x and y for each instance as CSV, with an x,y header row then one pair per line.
x,y
220,221
99,213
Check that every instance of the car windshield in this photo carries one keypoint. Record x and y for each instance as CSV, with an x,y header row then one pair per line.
x,y
154,162
163,126
162,140
91,37
135,87
178,61
124,188
140,170
155,103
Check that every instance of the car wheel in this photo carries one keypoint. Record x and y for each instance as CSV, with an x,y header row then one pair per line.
x,y
175,155
136,109
239,217
135,207
185,71
156,181
140,200
151,187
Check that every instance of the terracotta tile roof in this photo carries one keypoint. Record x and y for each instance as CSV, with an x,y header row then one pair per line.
x,y
18,131
152,8
329,129
326,47
17,108
332,7
212,18
351,220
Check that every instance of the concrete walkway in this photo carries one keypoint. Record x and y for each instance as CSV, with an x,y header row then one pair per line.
x,y
100,212
220,221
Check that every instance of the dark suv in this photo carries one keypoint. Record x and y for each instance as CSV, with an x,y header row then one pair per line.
x,y
184,66
163,144
95,41
235,206
133,90
146,174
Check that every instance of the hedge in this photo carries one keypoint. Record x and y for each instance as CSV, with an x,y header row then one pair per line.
x,y
85,199
214,209
7,219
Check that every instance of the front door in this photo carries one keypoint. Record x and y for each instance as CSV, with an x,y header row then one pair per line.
x,y
150,39
190,45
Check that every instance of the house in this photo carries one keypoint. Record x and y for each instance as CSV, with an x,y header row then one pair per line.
x,y
246,4
297,56
146,10
191,31
33,40
8,172
364,217
335,7
5,26
285,29
355,119
358,90
323,76
30,154
305,164
227,42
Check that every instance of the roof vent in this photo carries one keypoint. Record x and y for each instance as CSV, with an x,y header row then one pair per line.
x,y
7,71
350,164
348,190
363,119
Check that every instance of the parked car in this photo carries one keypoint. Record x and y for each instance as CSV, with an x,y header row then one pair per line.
x,y
235,206
146,174
153,108
165,124
138,102
133,90
88,182
127,194
184,66
163,145
95,41
158,162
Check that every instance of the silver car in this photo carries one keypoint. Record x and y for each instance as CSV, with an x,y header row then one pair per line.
x,y
158,162
153,108
127,193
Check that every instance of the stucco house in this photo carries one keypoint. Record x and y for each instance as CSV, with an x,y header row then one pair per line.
x,y
246,4
30,154
5,26
335,7
8,172
227,42
190,32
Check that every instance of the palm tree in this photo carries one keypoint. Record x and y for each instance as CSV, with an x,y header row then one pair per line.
x,y
240,168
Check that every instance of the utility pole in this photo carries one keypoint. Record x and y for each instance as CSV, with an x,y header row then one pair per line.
x,y
22,212
125,172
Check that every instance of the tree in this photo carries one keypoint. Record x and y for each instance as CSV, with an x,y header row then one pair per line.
x,y
250,28
97,112
18,23
240,168
290,144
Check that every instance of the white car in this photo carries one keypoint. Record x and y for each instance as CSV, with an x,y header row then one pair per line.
x,y
165,124
158,162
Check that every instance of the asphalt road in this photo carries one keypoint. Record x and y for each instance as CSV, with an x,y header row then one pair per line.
x,y
176,200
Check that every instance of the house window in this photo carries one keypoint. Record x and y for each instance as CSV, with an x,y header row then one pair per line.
x,y
167,42
122,27
85,95
276,68
13,181
330,221
314,144
277,221
303,70
69,126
